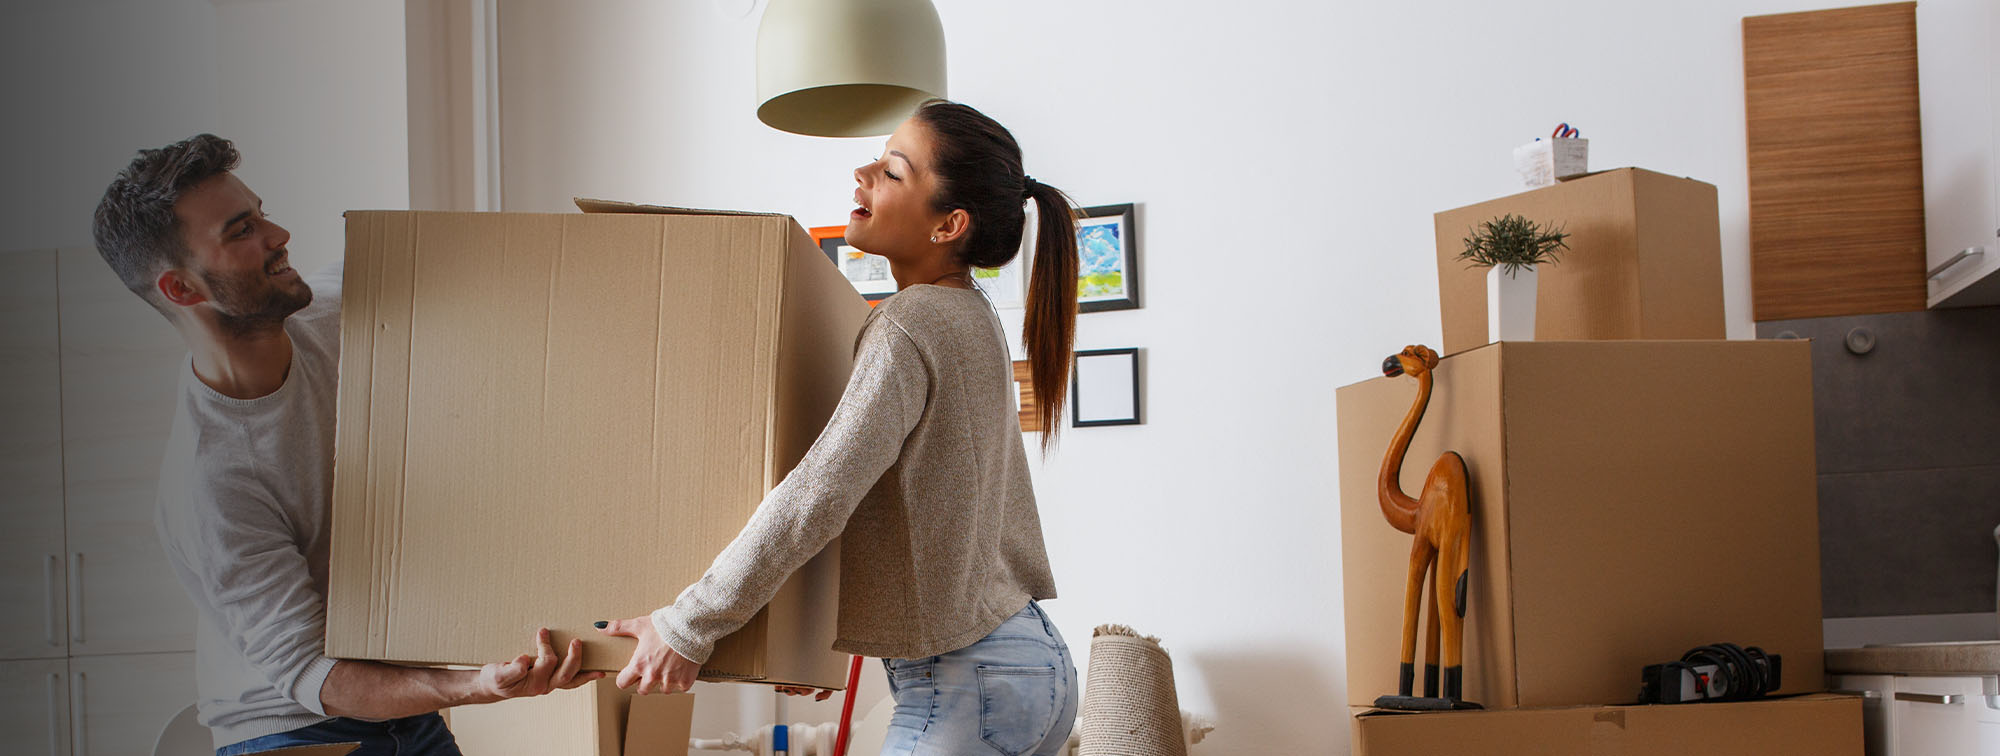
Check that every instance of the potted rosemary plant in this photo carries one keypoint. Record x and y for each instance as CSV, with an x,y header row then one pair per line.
x,y
1510,247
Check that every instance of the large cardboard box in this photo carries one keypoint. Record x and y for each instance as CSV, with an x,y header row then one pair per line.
x,y
596,719
1644,261
548,420
1631,500
1813,725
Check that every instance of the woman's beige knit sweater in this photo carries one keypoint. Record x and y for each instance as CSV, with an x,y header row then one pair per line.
x,y
922,472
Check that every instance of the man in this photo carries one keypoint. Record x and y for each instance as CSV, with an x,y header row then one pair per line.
x,y
248,474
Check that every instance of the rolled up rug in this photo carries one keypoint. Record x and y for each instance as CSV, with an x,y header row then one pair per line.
x,y
1129,704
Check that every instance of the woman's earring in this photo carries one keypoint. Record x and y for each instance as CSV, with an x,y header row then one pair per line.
x,y
933,240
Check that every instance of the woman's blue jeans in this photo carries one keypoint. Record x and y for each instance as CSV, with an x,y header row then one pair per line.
x,y
1013,692
422,735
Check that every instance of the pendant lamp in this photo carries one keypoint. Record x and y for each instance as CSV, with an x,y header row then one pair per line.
x,y
847,68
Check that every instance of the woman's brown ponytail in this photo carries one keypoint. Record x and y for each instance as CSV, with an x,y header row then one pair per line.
x,y
978,166
1049,328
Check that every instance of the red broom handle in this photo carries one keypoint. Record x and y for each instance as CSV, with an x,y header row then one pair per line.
x,y
847,707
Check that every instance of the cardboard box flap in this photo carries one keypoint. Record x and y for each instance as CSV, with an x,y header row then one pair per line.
x,y
589,205
1634,169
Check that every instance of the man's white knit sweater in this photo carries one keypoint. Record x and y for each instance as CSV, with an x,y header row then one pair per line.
x,y
243,515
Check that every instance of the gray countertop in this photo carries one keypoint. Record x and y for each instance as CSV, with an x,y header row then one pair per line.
x,y
1960,658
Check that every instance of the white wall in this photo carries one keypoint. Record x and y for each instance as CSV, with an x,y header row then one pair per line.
x,y
87,84
311,91
1287,158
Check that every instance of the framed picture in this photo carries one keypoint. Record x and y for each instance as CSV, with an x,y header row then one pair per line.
x,y
869,273
1107,248
1007,285
1104,388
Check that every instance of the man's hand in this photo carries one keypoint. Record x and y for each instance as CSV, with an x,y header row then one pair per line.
x,y
537,674
800,690
654,668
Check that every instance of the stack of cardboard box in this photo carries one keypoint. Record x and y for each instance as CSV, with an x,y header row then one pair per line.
x,y
549,420
1632,498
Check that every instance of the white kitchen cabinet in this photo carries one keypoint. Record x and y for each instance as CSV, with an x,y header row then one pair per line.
x,y
87,382
1913,715
34,707
120,368
32,564
1946,716
1958,80
119,704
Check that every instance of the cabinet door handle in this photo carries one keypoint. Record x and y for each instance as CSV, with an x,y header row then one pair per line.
x,y
55,722
76,597
50,567
1861,693
1935,698
76,716
1962,256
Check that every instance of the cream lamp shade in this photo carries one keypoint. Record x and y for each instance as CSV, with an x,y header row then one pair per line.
x,y
847,68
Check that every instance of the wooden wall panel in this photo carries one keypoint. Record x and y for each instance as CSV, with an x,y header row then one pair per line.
x,y
1836,162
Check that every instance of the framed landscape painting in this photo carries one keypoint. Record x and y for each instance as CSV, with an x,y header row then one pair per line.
x,y
1107,248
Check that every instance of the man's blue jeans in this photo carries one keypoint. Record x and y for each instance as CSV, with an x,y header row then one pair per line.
x,y
1011,693
422,735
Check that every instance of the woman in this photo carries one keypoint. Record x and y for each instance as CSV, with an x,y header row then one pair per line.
x,y
921,467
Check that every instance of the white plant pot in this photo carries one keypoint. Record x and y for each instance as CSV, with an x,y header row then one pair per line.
x,y
1510,304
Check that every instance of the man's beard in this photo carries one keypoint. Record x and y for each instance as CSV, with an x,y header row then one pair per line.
x,y
248,303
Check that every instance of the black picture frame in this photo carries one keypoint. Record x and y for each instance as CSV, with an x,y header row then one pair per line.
x,y
1079,392
1089,232
831,239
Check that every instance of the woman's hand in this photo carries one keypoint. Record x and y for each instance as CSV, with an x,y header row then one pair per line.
x,y
534,675
654,668
800,690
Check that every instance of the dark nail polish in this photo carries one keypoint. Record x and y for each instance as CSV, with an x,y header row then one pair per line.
x,y
601,624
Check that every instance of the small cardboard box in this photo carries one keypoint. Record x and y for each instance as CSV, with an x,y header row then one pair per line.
x,y
1543,162
1812,725
596,719
1644,261
548,420
1631,500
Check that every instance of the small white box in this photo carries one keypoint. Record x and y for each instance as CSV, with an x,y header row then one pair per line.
x,y
1544,161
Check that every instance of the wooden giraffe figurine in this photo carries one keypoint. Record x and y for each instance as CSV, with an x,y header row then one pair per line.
x,y
1440,518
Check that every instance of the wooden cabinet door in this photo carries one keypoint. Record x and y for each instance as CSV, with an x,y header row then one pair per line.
x,y
32,625
119,704
34,707
120,363
1836,171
